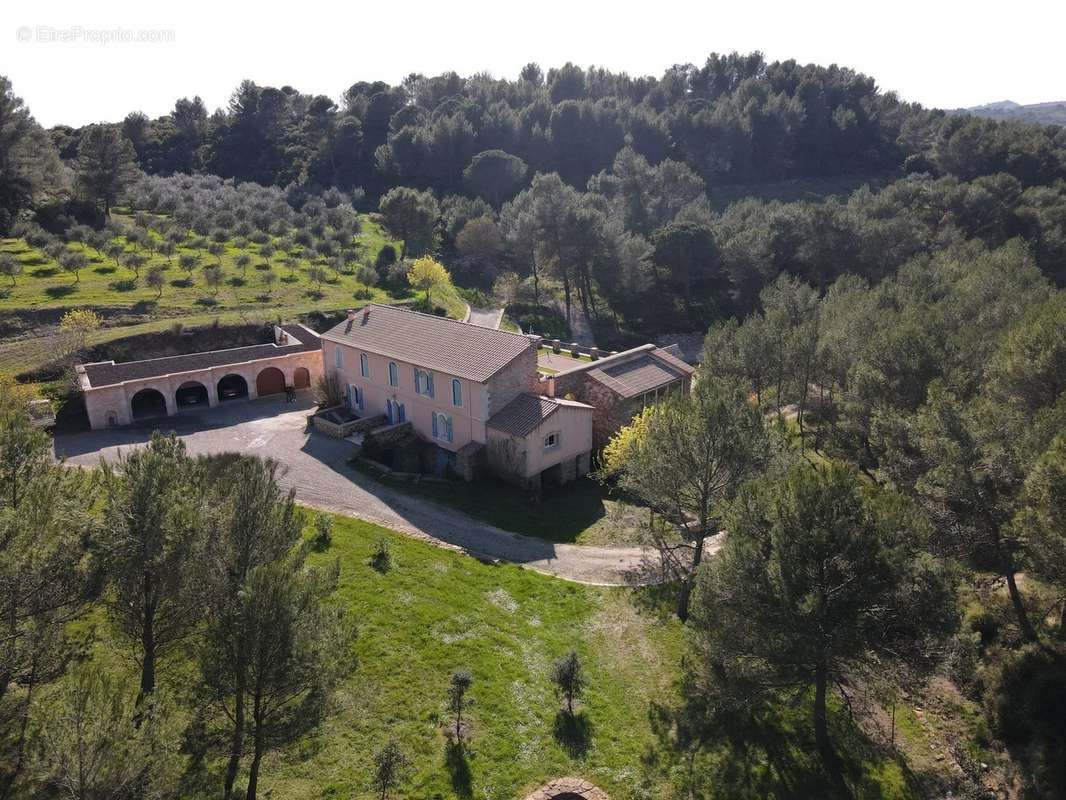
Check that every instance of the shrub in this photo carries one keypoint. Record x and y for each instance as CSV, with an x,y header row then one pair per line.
x,y
366,275
544,320
386,257
381,560
322,538
396,274
569,678
327,391
983,622
391,767
1026,704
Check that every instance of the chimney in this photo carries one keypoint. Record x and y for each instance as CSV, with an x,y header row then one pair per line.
x,y
351,313
366,315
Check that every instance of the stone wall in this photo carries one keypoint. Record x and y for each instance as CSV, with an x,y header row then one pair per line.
x,y
343,430
611,411
517,377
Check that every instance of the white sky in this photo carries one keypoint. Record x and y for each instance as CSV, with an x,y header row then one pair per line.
x,y
944,53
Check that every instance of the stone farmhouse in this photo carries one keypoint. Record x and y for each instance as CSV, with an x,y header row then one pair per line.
x,y
465,399
621,385
468,390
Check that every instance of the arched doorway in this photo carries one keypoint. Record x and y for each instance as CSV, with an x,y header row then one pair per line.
x,y
301,378
232,387
191,394
148,403
270,381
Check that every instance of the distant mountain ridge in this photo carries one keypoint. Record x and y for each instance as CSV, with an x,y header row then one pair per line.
x,y
1053,113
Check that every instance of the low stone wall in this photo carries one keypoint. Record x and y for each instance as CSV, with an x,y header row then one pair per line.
x,y
573,348
386,436
342,430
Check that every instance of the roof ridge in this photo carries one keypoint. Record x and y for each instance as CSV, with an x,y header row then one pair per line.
x,y
446,319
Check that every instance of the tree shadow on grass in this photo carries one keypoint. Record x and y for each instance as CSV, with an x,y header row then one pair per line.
x,y
181,283
59,291
768,750
126,285
103,270
458,766
44,272
573,732
314,294
657,599
237,281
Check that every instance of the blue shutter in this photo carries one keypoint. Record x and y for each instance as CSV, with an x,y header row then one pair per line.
x,y
457,392
359,398
348,394
434,425
449,429
429,382
418,386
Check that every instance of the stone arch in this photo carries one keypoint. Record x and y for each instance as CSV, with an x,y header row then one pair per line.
x,y
568,789
191,394
232,387
301,378
270,380
148,403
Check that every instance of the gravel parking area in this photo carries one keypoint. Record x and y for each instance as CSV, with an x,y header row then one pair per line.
x,y
316,466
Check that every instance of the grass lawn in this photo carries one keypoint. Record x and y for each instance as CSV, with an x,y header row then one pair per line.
x,y
436,611
583,511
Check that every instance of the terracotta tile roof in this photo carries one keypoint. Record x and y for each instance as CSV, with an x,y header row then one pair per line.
x,y
108,373
635,376
437,343
522,415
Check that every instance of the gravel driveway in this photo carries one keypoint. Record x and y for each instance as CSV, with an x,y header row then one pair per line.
x,y
315,465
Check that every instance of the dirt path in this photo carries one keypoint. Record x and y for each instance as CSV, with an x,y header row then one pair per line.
x,y
580,326
315,466
486,317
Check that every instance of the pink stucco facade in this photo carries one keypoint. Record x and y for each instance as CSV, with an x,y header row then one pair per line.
x,y
113,404
478,401
528,456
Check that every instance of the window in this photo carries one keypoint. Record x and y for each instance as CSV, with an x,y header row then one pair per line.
x,y
355,398
442,427
551,441
394,374
423,382
338,358
457,392
364,365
